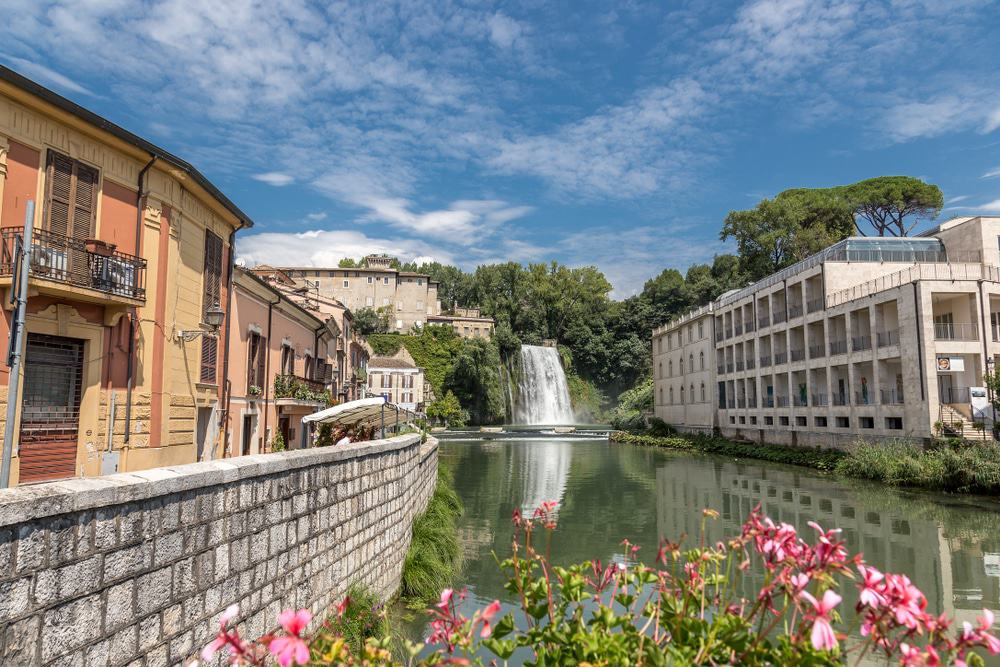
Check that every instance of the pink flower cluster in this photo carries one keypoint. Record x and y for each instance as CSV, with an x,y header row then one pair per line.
x,y
451,629
288,649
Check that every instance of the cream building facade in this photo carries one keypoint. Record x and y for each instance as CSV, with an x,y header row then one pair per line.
x,y
873,337
410,297
467,322
398,379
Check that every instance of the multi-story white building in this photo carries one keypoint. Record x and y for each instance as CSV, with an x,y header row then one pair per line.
x,y
398,379
872,337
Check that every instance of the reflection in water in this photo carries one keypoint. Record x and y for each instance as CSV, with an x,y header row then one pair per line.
x,y
948,545
545,471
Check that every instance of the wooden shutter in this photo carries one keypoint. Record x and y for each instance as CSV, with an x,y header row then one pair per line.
x,y
213,271
71,201
209,359
261,356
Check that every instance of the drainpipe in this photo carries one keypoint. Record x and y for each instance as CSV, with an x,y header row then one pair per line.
x,y
130,371
267,363
920,344
226,384
986,354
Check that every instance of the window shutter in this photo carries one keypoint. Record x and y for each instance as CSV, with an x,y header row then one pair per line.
x,y
328,373
213,271
209,359
84,198
60,187
261,356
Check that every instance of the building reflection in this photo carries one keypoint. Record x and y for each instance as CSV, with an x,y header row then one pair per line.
x,y
948,551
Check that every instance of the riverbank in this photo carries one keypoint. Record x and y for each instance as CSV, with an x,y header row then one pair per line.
x,y
825,460
950,466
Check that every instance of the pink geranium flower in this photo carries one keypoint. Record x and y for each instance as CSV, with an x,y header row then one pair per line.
x,y
445,598
822,637
487,617
222,638
291,648
870,580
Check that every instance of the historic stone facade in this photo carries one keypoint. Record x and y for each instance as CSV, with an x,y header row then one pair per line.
x,y
135,569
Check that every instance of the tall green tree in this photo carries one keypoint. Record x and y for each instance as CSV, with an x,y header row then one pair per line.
x,y
892,205
475,379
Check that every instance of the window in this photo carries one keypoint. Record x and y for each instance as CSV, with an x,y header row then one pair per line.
x,y
659,370
408,381
843,422
768,421
660,392
659,344
671,396
820,422
347,283
867,422
369,301
420,281
702,392
753,420
287,359
256,355
894,423
800,421
399,305
682,395
307,367
701,359
670,368
211,298
386,381
680,364
420,305
399,324
783,421
385,301
370,280
71,196
701,330
691,393
691,362
385,280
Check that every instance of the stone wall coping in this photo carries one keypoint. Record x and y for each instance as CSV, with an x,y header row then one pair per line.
x,y
28,503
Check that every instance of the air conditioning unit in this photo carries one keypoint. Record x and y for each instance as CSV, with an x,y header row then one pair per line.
x,y
47,261
119,276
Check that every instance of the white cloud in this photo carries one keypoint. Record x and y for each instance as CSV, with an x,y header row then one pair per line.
x,y
316,217
955,200
992,207
992,173
327,248
504,31
275,178
45,75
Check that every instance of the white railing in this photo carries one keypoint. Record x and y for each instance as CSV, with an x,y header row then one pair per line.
x,y
912,273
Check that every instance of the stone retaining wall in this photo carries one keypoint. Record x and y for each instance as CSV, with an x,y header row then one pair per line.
x,y
135,569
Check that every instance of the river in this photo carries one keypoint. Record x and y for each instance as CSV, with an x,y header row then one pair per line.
x,y
948,545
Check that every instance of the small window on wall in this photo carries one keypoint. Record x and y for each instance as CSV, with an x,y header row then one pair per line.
x,y
783,421
821,422
843,422
768,421
753,421
801,421
370,280
894,423
867,422
347,283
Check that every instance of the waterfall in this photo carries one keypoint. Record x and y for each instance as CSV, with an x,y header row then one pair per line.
x,y
542,392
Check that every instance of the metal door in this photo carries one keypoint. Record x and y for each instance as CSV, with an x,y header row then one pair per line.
x,y
50,409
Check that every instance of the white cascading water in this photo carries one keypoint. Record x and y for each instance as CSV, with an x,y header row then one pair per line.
x,y
543,395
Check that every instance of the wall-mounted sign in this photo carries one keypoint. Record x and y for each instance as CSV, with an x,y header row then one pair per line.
x,y
950,364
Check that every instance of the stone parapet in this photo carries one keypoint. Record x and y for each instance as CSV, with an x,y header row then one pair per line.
x,y
139,566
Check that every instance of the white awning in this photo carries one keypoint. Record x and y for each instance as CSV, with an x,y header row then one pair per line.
x,y
376,411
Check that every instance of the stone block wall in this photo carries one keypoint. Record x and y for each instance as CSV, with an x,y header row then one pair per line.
x,y
135,568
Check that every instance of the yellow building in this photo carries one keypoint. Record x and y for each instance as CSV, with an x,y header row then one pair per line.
x,y
130,265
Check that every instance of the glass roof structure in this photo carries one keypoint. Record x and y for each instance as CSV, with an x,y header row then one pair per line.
x,y
905,250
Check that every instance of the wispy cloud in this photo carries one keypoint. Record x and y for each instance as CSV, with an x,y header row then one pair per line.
x,y
275,178
328,247
46,75
992,173
991,207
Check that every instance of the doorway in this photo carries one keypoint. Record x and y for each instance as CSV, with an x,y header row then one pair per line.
x,y
50,408
247,434
946,388
201,434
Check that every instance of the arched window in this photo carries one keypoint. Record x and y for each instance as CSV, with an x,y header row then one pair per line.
x,y
682,394
661,395
702,392
680,362
671,396
701,357
691,362
692,393
670,367
659,373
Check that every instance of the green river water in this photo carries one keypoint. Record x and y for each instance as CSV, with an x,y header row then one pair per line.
x,y
948,545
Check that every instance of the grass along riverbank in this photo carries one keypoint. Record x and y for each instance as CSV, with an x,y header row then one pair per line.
x,y
433,556
949,465
825,459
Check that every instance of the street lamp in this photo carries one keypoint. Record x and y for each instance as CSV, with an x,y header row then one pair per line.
x,y
214,317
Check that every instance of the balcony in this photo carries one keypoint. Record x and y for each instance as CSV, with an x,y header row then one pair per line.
x,y
780,358
861,343
778,316
955,395
863,398
956,331
799,401
63,265
887,338
817,351
891,397
741,403
731,404
815,305
718,337
781,401
739,366
751,401
838,347
729,367
729,332
795,310
765,360
748,325
721,369
820,400
840,399
738,329
750,364
798,355
768,402
297,390
763,322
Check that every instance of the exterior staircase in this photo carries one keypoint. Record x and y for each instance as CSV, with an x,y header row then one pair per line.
x,y
957,420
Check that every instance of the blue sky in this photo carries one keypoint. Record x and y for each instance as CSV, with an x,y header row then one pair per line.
x,y
614,134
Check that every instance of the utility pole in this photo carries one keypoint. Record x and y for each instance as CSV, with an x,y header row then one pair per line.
x,y
15,352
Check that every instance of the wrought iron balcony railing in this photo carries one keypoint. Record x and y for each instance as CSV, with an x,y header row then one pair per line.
x,y
75,262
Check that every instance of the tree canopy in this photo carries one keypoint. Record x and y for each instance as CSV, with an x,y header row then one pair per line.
x,y
892,205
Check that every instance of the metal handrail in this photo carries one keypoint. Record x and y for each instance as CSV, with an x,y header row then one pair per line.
x,y
65,259
956,331
887,338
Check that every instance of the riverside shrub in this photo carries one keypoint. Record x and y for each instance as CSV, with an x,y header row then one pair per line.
x,y
819,459
686,608
958,466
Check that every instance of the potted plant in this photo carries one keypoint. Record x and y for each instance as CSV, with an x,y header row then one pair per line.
x,y
99,247
253,391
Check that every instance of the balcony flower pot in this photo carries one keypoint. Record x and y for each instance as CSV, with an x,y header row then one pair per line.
x,y
99,247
